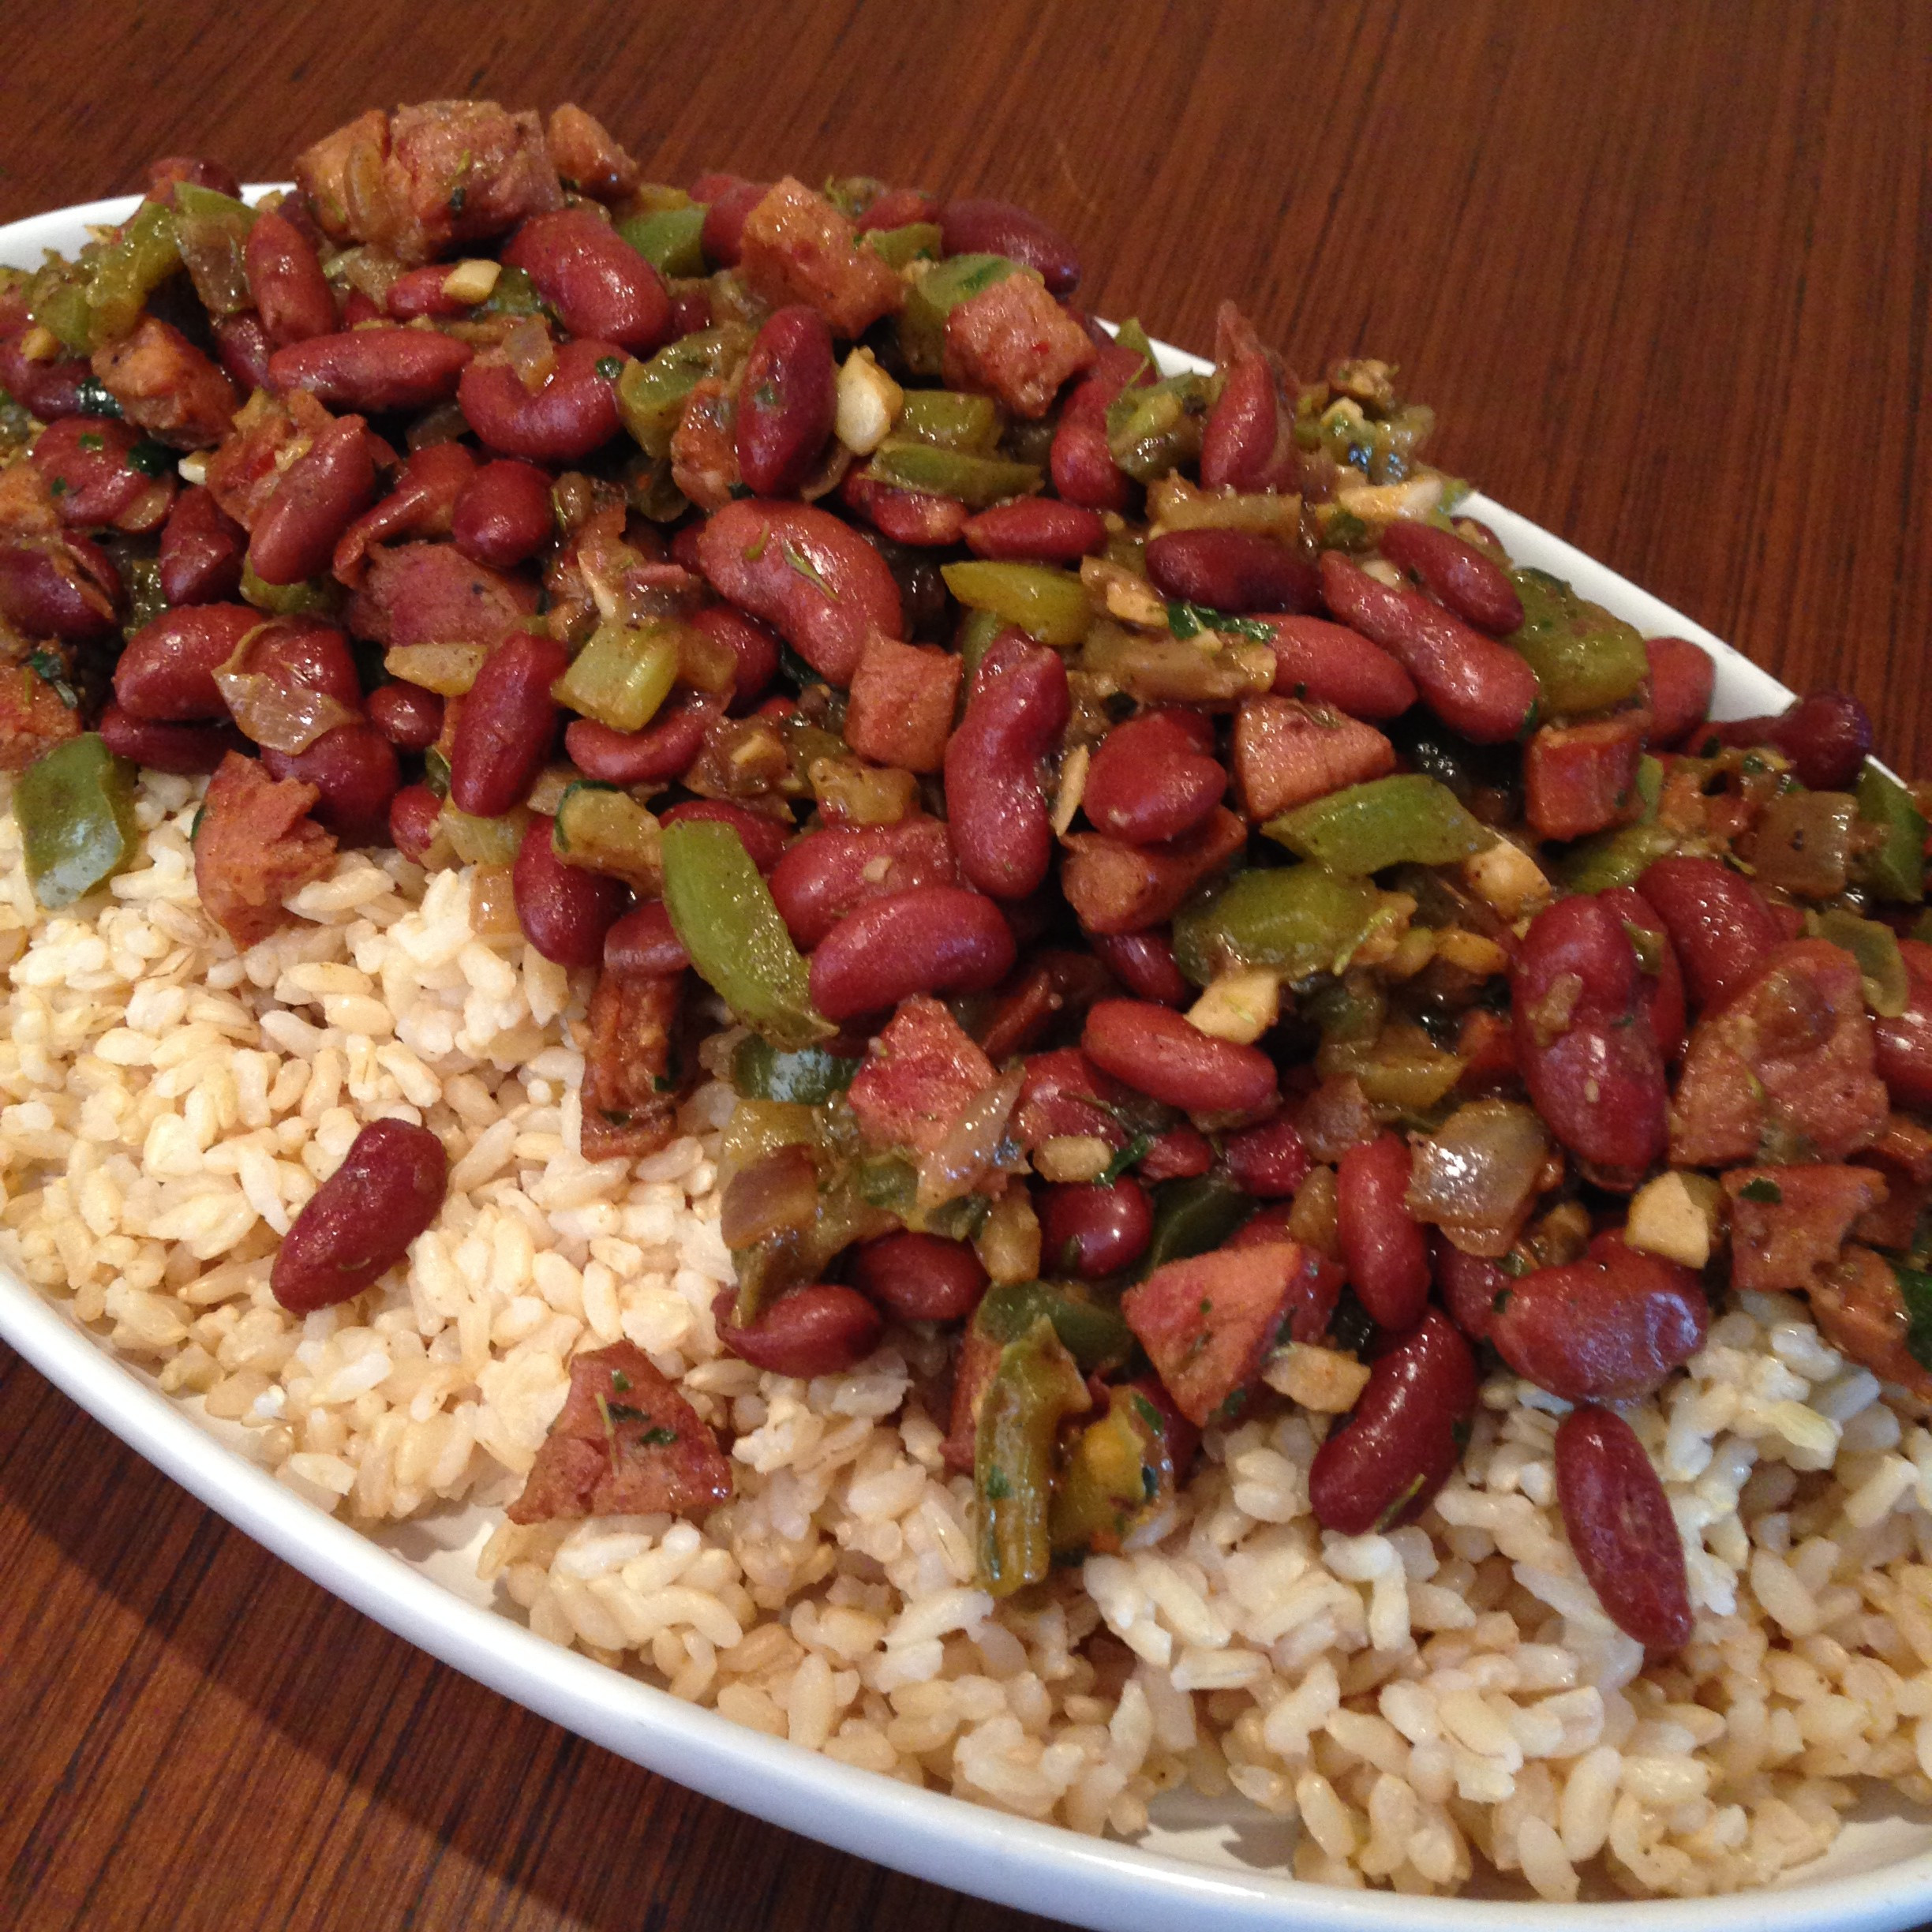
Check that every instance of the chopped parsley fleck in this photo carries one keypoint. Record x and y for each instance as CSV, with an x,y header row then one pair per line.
x,y
1148,1414
59,486
620,1382
151,458
1124,1159
92,440
1187,621
610,368
1915,1291
807,568
46,665
623,1412
659,1438
998,1488
1762,1190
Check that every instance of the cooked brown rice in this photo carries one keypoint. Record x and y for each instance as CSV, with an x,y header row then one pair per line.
x,y
1448,1694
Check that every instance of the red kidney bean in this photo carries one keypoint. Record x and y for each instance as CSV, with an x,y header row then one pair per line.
x,y
821,1330
691,309
321,494
830,873
166,673
504,515
976,225
1264,1229
565,910
1620,1523
1091,1230
575,413
931,939
1383,1466
1471,1286
1825,735
662,752
1383,1246
1607,1328
1683,676
85,461
1178,1155
373,369
1475,685
408,717
1231,569
358,309
358,1224
505,725
1143,963
420,503
755,646
1904,1044
242,346
814,579
304,653
914,517
764,838
1148,783
731,200
1271,1161
1719,927
1037,529
63,588
50,390
786,401
1583,1038
920,1277
187,749
598,285
413,813
897,207
354,769
1157,1052
1081,463
994,800
201,551
1328,663
1247,440
644,944
1662,988
162,175
1475,587
292,295
420,292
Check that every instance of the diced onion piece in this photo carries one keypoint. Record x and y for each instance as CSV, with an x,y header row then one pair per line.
x,y
1322,1380
869,403
192,468
967,1155
1009,1245
471,281
1125,595
1239,1007
1383,502
447,669
1071,1158
1073,787
1476,1176
532,354
1508,880
284,717
1676,1216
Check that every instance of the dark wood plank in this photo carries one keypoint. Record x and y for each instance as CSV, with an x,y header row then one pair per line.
x,y
1664,273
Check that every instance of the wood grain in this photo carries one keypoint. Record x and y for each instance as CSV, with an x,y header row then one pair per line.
x,y
1663,272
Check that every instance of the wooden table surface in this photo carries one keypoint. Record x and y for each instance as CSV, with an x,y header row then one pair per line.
x,y
1664,273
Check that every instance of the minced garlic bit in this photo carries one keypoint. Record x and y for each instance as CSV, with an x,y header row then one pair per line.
x,y
471,281
1126,594
1322,1380
1069,1158
1471,951
1505,877
1072,788
1676,1216
869,403
1239,1007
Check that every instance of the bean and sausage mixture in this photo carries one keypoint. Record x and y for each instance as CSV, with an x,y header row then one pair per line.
x,y
1207,931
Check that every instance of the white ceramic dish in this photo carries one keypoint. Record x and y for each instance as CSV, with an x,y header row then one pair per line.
x,y
1207,1868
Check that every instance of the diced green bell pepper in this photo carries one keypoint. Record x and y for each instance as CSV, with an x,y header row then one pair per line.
x,y
812,1075
1156,427
1894,869
668,238
905,462
724,914
1050,604
908,242
57,298
1193,1216
651,394
951,420
1363,828
75,808
1034,1389
1298,920
130,271
211,232
1094,1333
934,296
622,674
1584,659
